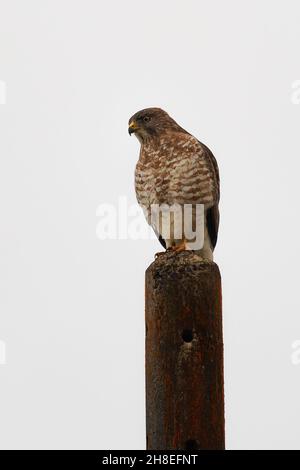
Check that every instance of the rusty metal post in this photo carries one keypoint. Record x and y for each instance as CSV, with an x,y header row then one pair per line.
x,y
184,354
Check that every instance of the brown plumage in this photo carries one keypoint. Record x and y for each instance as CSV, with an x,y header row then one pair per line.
x,y
175,168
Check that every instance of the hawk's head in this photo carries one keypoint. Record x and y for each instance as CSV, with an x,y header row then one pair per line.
x,y
151,122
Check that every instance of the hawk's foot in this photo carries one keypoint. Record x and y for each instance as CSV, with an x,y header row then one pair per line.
x,y
179,248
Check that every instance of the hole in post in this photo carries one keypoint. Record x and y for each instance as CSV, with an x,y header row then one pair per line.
x,y
191,444
187,336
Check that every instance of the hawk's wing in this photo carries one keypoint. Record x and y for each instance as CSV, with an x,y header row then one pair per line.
x,y
162,241
213,215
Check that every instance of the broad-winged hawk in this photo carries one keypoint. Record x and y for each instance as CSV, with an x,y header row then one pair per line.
x,y
175,169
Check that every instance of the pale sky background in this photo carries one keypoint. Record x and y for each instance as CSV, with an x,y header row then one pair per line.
x,y
72,306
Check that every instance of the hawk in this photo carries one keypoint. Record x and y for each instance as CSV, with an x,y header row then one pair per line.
x,y
176,171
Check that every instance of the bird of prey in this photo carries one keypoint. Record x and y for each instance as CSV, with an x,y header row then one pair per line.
x,y
176,171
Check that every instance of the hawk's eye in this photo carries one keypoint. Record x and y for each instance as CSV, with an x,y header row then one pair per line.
x,y
146,118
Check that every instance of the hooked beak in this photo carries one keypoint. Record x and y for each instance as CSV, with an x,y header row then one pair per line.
x,y
132,127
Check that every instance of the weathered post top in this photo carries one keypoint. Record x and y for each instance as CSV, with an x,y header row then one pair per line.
x,y
184,353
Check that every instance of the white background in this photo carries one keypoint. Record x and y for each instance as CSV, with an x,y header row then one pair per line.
x,y
72,306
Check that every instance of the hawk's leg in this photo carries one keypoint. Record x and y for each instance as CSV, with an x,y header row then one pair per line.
x,y
206,252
